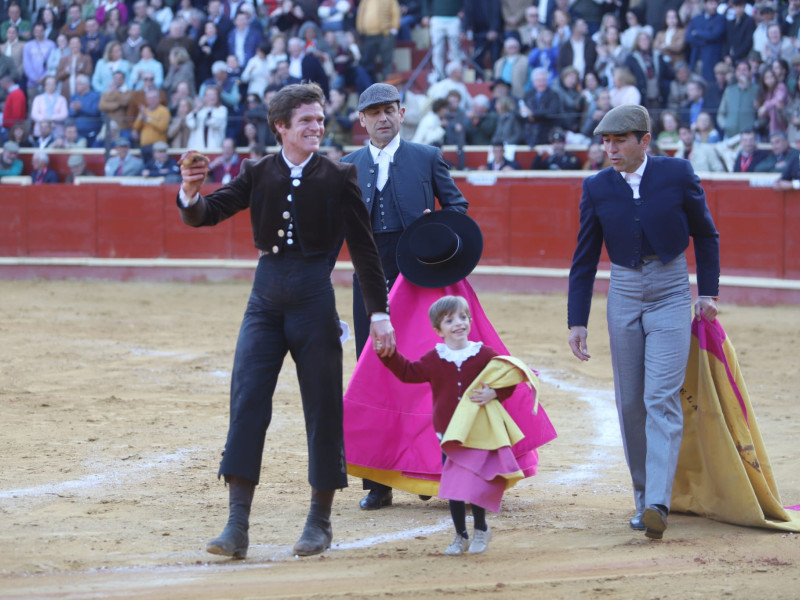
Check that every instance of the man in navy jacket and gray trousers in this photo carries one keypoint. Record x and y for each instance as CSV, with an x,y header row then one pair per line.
x,y
399,182
644,209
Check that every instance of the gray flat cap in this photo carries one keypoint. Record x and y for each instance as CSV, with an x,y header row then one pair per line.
x,y
10,146
624,119
378,93
159,145
122,141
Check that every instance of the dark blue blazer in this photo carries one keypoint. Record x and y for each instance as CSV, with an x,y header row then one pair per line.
x,y
87,118
705,37
252,40
417,176
314,71
671,208
224,26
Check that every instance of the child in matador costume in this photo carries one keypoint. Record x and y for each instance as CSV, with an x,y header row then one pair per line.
x,y
389,431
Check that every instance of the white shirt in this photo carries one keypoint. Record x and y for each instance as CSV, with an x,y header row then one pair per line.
x,y
384,157
234,8
542,12
634,180
296,170
578,57
296,66
73,73
240,38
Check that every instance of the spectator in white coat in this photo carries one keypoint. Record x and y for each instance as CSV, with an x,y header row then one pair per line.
x,y
208,121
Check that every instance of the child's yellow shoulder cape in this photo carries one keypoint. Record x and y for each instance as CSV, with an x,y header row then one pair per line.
x,y
490,427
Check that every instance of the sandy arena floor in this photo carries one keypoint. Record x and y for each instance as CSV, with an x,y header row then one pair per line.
x,y
114,413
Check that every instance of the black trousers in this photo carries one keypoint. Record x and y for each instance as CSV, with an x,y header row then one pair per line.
x,y
291,309
387,249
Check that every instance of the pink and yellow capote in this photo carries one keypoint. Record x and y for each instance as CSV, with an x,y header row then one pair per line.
x,y
389,436
723,470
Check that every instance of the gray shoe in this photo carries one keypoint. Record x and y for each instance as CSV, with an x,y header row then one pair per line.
x,y
458,546
480,541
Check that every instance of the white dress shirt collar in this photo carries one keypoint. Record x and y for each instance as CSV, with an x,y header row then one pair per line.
x,y
297,170
384,157
389,149
634,180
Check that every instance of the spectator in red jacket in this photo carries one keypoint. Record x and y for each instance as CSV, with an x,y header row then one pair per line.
x,y
16,107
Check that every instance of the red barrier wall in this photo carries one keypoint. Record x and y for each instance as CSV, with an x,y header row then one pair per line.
x,y
530,222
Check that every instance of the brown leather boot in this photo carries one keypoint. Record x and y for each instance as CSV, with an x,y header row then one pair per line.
x,y
317,533
233,540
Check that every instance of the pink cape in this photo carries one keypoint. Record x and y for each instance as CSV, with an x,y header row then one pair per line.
x,y
388,424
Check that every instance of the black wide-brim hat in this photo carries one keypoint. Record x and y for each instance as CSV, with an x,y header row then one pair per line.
x,y
439,249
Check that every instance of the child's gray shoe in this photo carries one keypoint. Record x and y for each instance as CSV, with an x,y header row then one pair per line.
x,y
458,546
480,541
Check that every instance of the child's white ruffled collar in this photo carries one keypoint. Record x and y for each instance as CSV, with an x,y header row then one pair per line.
x,y
458,356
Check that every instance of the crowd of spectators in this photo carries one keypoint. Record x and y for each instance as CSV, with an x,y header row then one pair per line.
x,y
711,74
159,74
150,74
717,78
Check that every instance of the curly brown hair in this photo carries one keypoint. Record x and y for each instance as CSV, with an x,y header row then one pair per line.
x,y
282,106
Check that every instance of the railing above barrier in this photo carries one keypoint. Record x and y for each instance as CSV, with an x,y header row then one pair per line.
x,y
475,156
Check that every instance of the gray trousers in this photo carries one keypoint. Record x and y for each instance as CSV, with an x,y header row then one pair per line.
x,y
649,317
374,47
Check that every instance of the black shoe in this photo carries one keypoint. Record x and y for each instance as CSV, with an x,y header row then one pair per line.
x,y
636,522
424,498
655,521
375,500
233,542
315,539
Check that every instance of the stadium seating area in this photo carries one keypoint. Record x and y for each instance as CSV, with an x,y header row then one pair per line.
x,y
80,79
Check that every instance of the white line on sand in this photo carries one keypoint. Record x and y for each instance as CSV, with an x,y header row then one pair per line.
x,y
603,414
405,534
108,476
